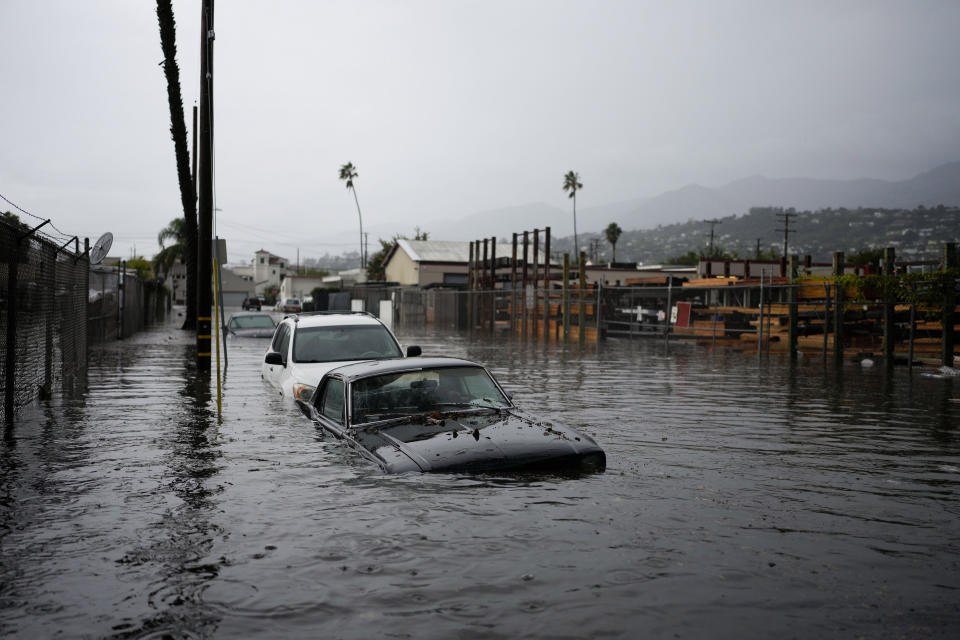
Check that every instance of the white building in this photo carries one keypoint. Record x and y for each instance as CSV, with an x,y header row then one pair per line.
x,y
269,271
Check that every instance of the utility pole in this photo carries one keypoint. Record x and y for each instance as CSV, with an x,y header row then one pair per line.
x,y
786,215
594,246
714,222
205,184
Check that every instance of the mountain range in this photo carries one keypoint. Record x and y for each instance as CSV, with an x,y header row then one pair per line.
x,y
940,185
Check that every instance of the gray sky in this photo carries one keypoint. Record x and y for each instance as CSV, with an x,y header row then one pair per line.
x,y
450,107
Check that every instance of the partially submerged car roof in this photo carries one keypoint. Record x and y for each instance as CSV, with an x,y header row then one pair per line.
x,y
333,318
356,370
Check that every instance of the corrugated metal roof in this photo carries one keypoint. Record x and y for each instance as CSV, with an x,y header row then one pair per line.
x,y
449,251
435,250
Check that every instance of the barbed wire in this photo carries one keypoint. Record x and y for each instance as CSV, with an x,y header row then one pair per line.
x,y
39,232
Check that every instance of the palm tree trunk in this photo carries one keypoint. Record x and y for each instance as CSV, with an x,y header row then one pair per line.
x,y
178,130
363,262
576,242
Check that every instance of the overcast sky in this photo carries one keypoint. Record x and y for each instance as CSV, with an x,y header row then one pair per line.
x,y
450,107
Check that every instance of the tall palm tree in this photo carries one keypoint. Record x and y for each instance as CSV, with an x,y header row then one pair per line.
x,y
348,172
178,130
613,232
571,183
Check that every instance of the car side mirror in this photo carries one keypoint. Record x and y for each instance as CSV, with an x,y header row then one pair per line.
x,y
273,357
305,409
413,351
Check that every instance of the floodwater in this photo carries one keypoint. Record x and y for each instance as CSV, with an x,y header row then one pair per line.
x,y
742,499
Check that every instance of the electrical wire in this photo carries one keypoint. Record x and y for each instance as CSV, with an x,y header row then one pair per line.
x,y
39,232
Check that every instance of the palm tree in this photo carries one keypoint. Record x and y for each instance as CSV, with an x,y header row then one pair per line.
x,y
613,232
571,182
178,130
348,172
163,261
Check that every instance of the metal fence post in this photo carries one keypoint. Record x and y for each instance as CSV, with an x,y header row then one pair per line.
x,y
793,301
10,372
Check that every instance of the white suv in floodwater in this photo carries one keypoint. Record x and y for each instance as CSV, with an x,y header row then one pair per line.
x,y
306,346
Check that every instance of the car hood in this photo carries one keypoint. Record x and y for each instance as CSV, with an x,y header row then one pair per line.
x,y
488,442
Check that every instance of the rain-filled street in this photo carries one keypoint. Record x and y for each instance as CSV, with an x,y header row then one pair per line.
x,y
741,499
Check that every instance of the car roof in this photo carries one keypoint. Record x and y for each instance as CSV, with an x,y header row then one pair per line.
x,y
327,319
366,368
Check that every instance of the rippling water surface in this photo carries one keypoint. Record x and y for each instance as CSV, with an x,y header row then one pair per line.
x,y
741,499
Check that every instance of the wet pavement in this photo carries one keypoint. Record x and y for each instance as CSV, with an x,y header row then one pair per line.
x,y
741,499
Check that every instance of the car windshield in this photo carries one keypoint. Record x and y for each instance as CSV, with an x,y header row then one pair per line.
x,y
344,342
414,392
251,322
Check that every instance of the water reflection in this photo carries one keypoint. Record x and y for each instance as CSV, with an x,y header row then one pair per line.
x,y
175,549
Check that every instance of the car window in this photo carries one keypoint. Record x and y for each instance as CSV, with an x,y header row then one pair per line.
x,y
281,340
252,322
344,342
285,343
331,403
412,392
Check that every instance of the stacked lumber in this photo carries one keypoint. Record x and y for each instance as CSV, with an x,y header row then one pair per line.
x,y
647,281
718,281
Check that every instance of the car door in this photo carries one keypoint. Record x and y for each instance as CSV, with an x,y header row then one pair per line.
x,y
274,373
331,406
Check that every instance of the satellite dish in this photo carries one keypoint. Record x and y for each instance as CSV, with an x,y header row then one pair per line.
x,y
99,249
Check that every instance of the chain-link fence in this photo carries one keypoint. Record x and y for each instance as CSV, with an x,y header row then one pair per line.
x,y
43,311
53,304
121,304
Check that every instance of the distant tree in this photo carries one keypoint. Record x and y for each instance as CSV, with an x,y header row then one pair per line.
x,y
612,232
143,268
313,272
870,257
375,268
13,220
178,131
690,258
347,173
571,183
767,254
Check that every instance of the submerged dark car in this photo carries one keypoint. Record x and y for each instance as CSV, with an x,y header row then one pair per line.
x,y
250,325
441,414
